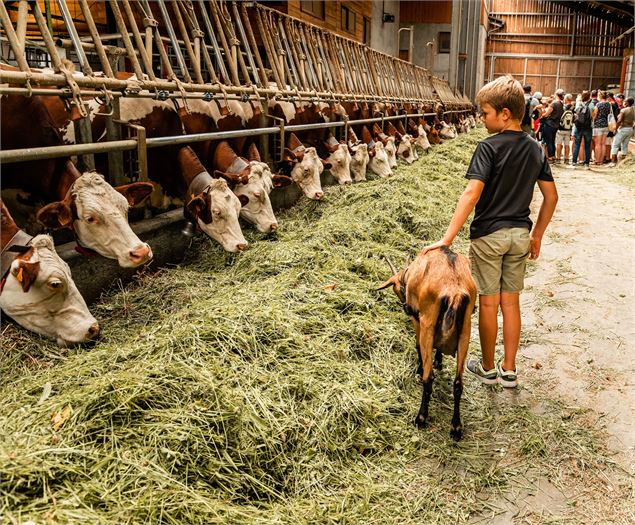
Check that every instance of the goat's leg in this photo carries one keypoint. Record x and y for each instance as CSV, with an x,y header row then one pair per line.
x,y
426,334
415,325
438,360
464,341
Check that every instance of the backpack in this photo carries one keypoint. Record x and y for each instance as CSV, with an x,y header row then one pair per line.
x,y
566,120
582,117
527,117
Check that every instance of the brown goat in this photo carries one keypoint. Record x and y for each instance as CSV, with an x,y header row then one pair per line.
x,y
437,290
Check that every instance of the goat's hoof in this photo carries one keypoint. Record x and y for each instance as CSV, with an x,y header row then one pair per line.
x,y
457,433
421,422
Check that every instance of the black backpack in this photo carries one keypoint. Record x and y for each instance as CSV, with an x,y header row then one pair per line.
x,y
527,116
582,116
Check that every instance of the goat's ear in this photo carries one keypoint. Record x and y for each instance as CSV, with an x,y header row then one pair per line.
x,y
389,282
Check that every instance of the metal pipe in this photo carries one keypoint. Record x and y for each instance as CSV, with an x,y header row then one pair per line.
x,y
92,29
18,52
70,27
130,51
51,152
56,61
175,46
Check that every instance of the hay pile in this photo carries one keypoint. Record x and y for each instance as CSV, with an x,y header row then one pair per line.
x,y
274,386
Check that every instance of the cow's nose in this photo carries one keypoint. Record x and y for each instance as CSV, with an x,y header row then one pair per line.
x,y
93,331
241,246
319,195
274,226
141,253
348,182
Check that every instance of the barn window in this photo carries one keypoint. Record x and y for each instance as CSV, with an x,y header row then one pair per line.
x,y
443,42
313,7
366,22
348,20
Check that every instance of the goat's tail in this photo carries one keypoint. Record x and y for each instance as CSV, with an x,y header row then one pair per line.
x,y
452,312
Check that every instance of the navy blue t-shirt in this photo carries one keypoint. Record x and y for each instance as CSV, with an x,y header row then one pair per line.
x,y
509,163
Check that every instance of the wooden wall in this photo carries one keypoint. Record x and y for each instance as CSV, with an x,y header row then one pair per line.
x,y
97,9
417,12
333,16
548,45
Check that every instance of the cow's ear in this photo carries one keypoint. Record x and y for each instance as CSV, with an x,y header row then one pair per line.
x,y
372,153
244,200
289,156
281,180
136,192
327,165
253,153
56,215
25,272
196,207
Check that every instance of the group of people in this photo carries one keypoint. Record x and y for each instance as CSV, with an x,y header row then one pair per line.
x,y
603,122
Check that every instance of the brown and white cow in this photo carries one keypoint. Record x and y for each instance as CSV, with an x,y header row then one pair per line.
x,y
86,203
178,170
339,158
37,290
359,157
389,145
251,181
404,142
379,163
304,166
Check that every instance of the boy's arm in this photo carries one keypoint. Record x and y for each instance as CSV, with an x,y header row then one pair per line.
x,y
550,199
464,207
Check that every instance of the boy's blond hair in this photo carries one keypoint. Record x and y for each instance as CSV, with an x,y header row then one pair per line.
x,y
504,92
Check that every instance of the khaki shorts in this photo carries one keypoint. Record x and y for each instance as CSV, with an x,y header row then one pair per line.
x,y
499,260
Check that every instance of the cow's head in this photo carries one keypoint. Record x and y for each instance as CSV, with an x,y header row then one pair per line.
x,y
433,135
379,163
99,215
215,210
359,161
304,168
257,210
40,295
447,131
422,139
405,150
340,160
391,151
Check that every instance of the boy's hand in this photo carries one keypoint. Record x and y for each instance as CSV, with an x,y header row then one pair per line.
x,y
534,247
434,246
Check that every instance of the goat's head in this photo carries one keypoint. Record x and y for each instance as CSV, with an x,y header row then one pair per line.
x,y
397,280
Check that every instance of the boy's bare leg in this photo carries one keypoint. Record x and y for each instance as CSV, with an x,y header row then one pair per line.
x,y
510,306
488,327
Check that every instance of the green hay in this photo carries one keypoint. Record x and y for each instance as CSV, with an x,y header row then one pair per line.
x,y
276,386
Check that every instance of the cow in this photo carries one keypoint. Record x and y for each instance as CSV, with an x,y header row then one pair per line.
x,y
251,181
339,158
379,163
389,145
420,136
359,157
447,131
403,141
37,290
208,203
84,203
437,290
304,166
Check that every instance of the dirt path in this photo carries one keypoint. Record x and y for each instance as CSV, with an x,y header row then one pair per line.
x,y
578,341
579,307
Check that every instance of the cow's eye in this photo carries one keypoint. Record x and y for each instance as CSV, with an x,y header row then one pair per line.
x,y
55,284
90,219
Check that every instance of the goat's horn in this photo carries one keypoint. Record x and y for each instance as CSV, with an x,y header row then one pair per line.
x,y
392,266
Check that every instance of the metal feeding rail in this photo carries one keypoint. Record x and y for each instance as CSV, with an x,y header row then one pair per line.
x,y
216,48
209,49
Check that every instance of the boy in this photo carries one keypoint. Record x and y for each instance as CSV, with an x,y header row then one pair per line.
x,y
502,174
